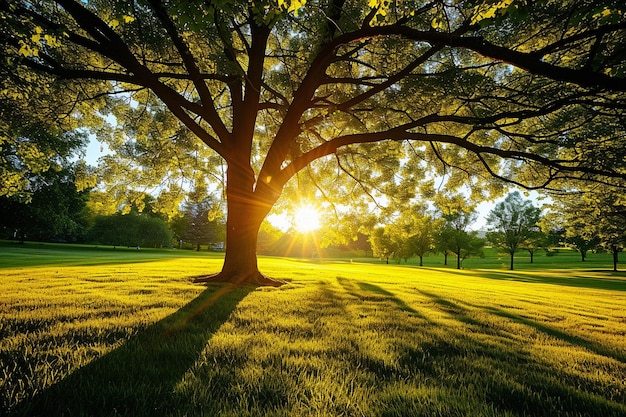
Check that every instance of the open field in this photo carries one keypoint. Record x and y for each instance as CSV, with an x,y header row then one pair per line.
x,y
97,332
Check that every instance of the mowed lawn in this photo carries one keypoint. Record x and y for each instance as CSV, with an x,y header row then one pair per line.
x,y
96,332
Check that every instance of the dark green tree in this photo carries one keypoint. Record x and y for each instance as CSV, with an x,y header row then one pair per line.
x,y
53,211
504,89
131,230
595,216
513,224
455,236
200,221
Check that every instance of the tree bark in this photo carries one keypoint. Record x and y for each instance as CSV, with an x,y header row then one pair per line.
x,y
512,256
615,258
245,212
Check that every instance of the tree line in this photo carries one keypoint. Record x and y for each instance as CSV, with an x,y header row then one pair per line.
x,y
54,209
583,221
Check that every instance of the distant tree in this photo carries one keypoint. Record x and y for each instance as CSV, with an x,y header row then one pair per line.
x,y
513,222
422,240
552,225
461,243
200,221
535,241
130,230
54,210
441,244
382,244
594,216
454,236
583,245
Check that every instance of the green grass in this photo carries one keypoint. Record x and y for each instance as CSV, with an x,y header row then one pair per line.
x,y
91,332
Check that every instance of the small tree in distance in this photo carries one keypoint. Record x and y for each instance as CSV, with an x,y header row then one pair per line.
x,y
200,221
456,238
513,222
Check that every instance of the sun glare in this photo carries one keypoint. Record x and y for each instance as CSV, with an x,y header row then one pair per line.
x,y
306,219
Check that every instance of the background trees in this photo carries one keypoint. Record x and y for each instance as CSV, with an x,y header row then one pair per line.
x,y
48,208
131,230
200,221
594,216
455,235
513,224
492,89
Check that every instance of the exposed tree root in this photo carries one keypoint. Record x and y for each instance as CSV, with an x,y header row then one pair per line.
x,y
254,279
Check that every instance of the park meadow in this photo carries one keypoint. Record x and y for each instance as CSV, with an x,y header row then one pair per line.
x,y
90,331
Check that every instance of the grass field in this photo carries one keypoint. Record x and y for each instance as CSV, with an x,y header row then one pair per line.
x,y
102,332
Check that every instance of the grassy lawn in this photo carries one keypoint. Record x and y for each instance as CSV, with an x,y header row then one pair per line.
x,y
103,332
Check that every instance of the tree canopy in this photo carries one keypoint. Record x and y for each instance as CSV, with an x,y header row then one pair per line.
x,y
530,93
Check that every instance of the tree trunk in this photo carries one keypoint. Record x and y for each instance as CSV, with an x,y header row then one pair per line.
x,y
245,212
583,255
445,258
421,261
512,256
615,258
458,259
532,255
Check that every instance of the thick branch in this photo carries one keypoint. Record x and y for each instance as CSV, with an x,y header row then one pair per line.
x,y
401,134
193,70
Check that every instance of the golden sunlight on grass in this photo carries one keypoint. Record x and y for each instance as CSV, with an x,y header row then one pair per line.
x,y
339,339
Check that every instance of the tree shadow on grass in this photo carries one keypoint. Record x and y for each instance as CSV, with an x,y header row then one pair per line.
x,y
559,334
139,377
614,282
481,366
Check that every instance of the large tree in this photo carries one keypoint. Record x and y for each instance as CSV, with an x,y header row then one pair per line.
x,y
502,88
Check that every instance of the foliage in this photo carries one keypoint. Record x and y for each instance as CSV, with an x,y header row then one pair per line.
x,y
131,230
453,235
594,216
200,221
410,232
137,338
381,92
513,224
55,210
35,145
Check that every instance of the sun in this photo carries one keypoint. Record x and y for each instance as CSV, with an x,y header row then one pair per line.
x,y
306,218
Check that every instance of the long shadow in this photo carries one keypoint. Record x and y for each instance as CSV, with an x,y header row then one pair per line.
x,y
366,286
461,314
559,334
139,377
568,280
512,372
